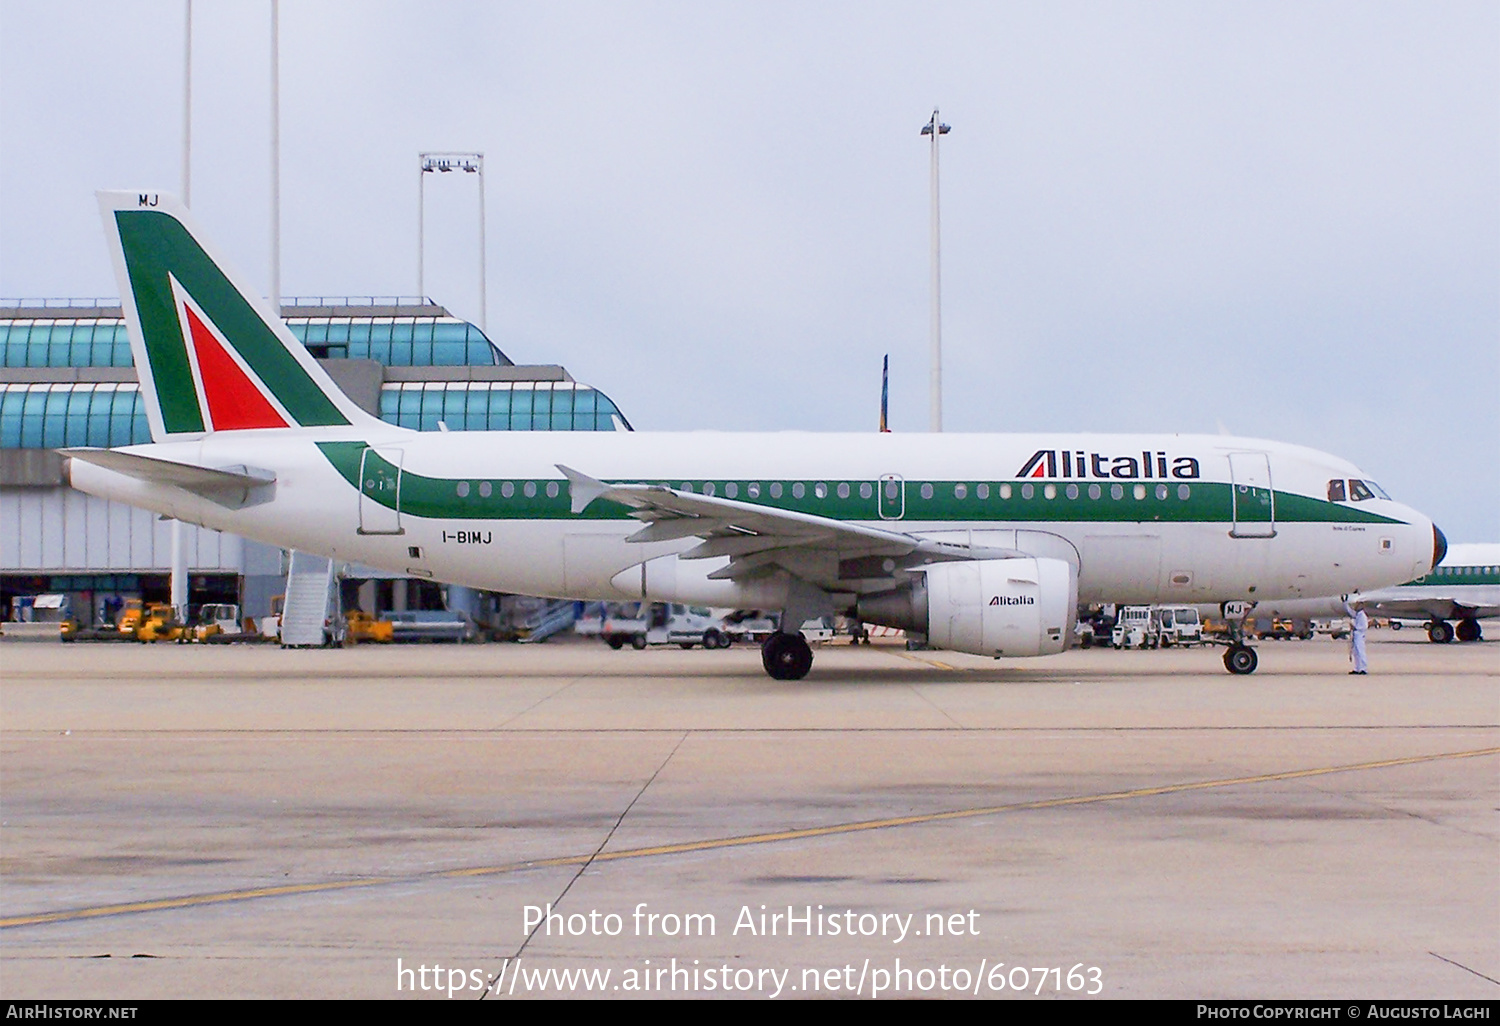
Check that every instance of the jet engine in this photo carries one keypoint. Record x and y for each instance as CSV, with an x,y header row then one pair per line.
x,y
994,607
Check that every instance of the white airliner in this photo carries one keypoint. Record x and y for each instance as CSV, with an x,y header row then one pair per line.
x,y
1465,587
983,543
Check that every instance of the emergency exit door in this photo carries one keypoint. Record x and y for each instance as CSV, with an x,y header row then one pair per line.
x,y
891,497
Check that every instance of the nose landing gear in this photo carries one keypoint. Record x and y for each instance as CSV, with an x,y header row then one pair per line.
x,y
1240,659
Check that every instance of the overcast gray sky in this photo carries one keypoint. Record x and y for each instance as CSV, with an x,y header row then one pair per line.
x,y
1281,218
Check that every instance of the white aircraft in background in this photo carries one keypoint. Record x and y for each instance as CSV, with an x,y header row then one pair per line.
x,y
1464,586
983,543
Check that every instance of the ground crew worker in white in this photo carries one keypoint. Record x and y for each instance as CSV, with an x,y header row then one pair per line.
x,y
1359,622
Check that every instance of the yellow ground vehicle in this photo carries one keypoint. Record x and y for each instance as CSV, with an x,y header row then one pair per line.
x,y
159,624
362,626
129,620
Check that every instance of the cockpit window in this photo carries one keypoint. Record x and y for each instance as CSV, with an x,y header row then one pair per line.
x,y
1359,491
1379,491
1336,490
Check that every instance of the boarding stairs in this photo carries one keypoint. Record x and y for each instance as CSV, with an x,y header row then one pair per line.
x,y
549,620
310,585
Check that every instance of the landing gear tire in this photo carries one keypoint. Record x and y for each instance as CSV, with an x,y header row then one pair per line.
x,y
1469,630
1440,632
786,656
638,642
1240,660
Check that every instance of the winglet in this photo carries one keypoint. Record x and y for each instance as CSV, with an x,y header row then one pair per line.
x,y
582,488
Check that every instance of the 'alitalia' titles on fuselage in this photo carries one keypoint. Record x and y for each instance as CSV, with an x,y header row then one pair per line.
x,y
1076,463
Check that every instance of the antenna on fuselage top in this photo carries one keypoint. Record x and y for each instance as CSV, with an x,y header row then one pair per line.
x,y
885,393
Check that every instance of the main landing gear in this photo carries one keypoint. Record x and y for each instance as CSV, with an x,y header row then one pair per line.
x,y
786,656
1442,632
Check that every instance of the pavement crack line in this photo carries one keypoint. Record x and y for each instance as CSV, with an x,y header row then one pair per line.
x,y
714,843
590,860
1465,968
918,690
549,696
1358,799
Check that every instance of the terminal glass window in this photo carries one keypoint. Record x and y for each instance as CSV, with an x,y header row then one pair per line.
x,y
497,406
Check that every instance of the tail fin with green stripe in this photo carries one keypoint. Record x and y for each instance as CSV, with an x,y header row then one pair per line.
x,y
211,354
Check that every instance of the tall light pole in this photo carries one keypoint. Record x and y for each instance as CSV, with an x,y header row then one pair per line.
x,y
935,128
179,579
187,105
276,156
442,163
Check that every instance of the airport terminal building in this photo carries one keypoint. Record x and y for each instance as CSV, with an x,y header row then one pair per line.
x,y
67,379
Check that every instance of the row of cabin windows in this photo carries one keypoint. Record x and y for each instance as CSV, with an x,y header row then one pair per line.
x,y
844,489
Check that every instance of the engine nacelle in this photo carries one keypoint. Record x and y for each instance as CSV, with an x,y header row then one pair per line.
x,y
995,607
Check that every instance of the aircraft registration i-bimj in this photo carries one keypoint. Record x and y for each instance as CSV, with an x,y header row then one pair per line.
x,y
983,543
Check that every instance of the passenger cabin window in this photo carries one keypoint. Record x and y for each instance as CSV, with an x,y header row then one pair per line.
x,y
1358,492
1336,490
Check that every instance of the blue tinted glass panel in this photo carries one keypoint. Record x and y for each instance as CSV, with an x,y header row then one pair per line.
x,y
448,354
521,400
432,409
54,421
499,408
562,410
59,345
410,406
31,418
455,409
583,409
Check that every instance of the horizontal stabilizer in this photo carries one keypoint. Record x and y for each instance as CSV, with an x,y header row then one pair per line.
x,y
233,487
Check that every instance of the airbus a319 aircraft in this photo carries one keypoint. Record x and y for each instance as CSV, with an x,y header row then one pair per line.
x,y
984,543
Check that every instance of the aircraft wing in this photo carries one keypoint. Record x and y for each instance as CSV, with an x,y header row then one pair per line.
x,y
1441,607
756,537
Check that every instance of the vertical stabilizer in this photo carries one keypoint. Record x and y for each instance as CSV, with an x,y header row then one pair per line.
x,y
210,353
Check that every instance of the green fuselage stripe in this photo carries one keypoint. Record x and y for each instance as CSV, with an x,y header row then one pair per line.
x,y
1206,502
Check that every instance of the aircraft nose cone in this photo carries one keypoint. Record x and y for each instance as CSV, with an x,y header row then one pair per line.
x,y
1439,545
